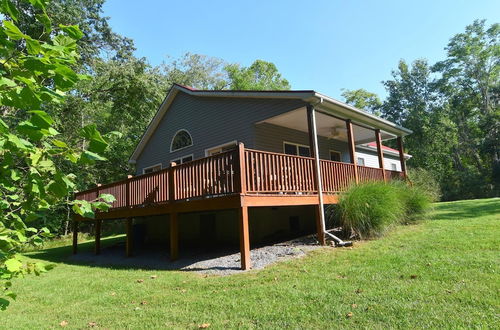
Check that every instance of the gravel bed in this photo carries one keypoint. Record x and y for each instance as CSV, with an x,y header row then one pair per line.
x,y
221,262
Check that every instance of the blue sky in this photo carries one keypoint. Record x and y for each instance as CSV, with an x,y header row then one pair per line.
x,y
320,45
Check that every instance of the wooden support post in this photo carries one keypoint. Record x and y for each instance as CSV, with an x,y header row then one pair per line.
x,y
97,243
244,238
130,237
242,174
402,155
75,236
380,153
352,148
174,237
127,191
313,142
171,182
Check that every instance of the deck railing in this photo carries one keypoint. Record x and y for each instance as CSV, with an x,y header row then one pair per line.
x,y
269,172
336,176
234,172
211,176
366,174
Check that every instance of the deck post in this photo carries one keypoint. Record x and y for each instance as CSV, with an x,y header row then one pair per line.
x,y
174,236
402,155
244,238
97,242
380,153
127,191
75,236
129,242
313,141
171,182
352,148
241,163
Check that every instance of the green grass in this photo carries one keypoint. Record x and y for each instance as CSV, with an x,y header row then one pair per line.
x,y
437,273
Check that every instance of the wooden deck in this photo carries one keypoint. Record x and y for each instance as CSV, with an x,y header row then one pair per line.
x,y
248,177
238,179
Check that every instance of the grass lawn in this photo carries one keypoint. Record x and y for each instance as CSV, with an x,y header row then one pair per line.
x,y
438,273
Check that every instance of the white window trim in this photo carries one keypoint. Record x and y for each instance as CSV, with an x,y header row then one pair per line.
x,y
335,151
192,156
175,134
227,144
147,168
297,145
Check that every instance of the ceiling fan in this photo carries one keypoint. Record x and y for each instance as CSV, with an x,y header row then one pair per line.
x,y
338,132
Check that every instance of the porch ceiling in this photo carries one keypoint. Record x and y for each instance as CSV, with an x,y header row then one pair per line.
x,y
327,126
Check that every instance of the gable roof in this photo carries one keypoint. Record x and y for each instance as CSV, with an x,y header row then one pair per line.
x,y
309,96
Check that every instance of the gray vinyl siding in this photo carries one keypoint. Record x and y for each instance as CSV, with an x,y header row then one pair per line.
x,y
269,137
211,122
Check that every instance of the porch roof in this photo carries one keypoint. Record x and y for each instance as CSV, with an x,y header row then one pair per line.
x,y
321,102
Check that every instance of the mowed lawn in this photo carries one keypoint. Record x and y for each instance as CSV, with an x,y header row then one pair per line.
x,y
443,272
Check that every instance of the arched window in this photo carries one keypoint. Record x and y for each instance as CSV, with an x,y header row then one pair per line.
x,y
182,139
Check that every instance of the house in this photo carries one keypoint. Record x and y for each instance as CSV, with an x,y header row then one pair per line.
x,y
223,155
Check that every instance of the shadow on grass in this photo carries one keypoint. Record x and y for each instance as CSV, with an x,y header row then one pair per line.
x,y
113,256
467,209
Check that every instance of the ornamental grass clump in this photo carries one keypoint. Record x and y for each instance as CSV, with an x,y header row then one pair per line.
x,y
368,210
416,201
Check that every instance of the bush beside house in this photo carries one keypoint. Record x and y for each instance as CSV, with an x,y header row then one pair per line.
x,y
368,210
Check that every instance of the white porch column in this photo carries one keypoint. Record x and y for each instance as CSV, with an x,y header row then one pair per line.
x,y
313,141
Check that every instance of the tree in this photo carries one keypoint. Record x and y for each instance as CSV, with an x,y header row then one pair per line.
x,y
261,75
363,99
413,102
34,74
471,82
197,71
98,37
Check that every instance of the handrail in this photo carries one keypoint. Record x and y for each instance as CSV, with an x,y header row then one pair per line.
x,y
237,171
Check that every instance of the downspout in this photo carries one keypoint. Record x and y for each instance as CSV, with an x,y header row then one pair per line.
x,y
338,241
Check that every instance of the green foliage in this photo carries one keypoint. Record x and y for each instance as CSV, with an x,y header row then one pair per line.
x,y
363,99
35,74
261,75
424,180
416,201
368,210
452,109
197,71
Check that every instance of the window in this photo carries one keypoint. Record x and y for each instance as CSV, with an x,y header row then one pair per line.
x,y
221,148
296,149
394,167
361,161
182,139
151,169
335,155
182,160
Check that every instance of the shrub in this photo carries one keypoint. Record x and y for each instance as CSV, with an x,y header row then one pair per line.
x,y
368,210
416,201
426,183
